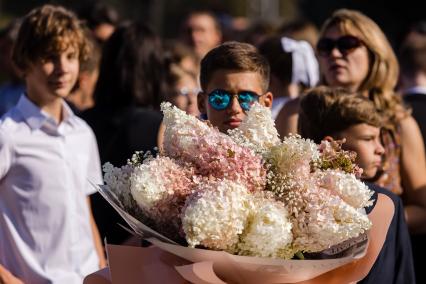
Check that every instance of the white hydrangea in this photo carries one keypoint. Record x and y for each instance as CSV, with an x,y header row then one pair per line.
x,y
337,222
216,215
118,181
181,128
347,186
257,130
269,231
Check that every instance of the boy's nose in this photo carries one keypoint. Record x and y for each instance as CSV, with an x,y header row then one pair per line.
x,y
235,105
379,148
61,65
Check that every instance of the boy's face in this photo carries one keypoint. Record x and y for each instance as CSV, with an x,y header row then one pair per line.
x,y
53,76
232,82
364,139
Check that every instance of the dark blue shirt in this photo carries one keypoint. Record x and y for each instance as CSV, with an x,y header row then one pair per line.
x,y
395,261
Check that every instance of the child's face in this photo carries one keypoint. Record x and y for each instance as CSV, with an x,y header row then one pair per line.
x,y
364,139
53,76
233,82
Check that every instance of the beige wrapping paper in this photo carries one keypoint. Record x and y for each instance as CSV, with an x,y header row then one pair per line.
x,y
172,263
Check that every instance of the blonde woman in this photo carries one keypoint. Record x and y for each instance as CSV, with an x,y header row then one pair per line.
x,y
354,53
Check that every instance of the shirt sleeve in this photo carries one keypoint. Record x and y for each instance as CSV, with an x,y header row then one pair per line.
x,y
5,154
94,173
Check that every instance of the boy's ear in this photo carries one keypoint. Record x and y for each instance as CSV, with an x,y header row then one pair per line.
x,y
201,102
267,99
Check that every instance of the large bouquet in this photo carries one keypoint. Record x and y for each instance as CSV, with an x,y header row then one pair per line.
x,y
247,193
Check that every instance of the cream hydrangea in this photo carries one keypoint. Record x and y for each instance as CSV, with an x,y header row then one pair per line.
x,y
325,220
268,233
216,215
257,130
353,191
180,129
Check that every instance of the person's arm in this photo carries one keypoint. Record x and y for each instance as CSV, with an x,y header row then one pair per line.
x,y
286,121
8,278
413,175
96,238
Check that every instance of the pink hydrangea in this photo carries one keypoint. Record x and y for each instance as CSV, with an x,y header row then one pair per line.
x,y
160,187
213,154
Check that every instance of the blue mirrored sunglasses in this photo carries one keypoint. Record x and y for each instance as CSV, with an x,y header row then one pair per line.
x,y
221,99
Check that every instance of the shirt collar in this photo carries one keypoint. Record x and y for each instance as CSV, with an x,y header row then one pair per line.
x,y
36,118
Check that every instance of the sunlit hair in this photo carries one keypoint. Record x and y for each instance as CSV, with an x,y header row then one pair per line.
x,y
326,111
48,30
238,56
383,72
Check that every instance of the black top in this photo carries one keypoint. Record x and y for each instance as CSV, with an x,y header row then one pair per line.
x,y
119,134
395,261
417,102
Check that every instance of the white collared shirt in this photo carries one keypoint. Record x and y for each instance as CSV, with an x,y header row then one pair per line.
x,y
45,169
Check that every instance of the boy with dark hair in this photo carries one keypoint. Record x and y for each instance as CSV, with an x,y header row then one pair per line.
x,y
326,112
233,76
331,112
48,156
202,31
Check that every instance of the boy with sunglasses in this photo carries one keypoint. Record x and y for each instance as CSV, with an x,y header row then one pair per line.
x,y
233,76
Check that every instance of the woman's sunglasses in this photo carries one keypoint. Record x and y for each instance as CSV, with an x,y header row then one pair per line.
x,y
221,99
344,44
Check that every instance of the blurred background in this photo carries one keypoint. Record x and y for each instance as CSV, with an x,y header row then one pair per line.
x,y
243,20
164,15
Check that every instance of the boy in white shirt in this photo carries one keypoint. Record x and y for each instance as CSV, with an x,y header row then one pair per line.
x,y
48,156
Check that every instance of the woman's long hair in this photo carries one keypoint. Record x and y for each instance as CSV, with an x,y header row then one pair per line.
x,y
133,70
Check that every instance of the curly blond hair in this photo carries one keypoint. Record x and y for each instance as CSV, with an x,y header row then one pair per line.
x,y
48,30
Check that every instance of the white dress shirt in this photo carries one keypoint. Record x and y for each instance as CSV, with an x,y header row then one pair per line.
x,y
45,169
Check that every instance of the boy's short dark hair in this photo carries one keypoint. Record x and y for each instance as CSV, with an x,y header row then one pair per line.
x,y
48,30
326,111
412,55
237,56
98,12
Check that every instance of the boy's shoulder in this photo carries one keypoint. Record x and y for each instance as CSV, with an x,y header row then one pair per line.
x,y
81,123
378,189
11,120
